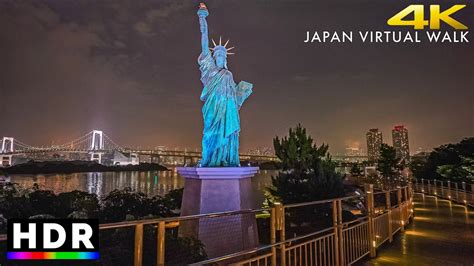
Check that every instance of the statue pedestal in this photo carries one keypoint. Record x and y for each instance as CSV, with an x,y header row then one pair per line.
x,y
219,189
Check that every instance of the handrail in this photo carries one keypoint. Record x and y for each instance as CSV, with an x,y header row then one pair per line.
x,y
209,215
362,219
446,189
293,205
3,237
179,218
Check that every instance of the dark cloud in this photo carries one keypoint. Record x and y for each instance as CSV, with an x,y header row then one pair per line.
x,y
129,68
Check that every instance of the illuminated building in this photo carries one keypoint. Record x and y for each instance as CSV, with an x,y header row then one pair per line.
x,y
353,151
262,151
374,142
400,142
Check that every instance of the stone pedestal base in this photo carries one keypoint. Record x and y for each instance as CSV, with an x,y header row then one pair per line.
x,y
210,190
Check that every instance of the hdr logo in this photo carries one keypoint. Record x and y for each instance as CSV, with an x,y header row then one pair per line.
x,y
53,239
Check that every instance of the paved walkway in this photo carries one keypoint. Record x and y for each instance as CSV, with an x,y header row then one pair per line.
x,y
442,233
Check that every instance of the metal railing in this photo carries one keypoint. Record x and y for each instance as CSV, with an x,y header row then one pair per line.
x,y
345,242
459,192
326,232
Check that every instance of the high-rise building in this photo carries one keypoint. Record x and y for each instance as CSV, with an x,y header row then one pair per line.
x,y
374,142
400,142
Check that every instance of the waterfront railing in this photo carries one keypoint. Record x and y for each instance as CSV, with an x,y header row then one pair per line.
x,y
336,231
459,192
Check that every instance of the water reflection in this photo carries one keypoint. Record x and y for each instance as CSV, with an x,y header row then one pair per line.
x,y
94,183
151,183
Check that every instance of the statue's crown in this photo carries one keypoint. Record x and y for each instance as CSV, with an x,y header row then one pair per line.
x,y
221,48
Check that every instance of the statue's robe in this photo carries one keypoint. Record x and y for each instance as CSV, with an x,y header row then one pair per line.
x,y
222,100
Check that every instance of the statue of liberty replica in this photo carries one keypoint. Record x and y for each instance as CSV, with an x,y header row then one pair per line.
x,y
222,99
218,183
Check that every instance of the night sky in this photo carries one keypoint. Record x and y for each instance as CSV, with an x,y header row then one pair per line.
x,y
129,68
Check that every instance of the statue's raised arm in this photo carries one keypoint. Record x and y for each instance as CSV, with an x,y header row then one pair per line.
x,y
202,14
222,100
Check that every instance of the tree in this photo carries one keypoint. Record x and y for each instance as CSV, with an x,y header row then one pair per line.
x,y
373,178
389,166
172,200
308,171
448,162
417,165
355,170
463,170
75,202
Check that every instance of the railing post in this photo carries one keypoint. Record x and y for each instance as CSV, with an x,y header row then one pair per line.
x,y
405,191
472,192
160,259
456,189
273,235
429,186
449,189
422,185
138,252
389,215
410,200
336,231
410,190
280,225
399,200
369,190
416,184
464,192
341,238
435,190
442,188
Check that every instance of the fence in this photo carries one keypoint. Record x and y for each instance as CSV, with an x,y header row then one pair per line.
x,y
328,232
455,191
312,233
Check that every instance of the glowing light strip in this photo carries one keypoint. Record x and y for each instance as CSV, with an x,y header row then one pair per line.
x,y
53,255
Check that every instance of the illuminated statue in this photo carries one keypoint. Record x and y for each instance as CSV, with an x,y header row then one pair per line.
x,y
222,99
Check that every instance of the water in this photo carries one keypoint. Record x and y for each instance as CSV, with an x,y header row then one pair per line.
x,y
151,183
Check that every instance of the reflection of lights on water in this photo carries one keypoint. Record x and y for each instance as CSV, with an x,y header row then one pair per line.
x,y
95,183
373,244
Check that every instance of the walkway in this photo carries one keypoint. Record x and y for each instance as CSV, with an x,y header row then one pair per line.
x,y
442,233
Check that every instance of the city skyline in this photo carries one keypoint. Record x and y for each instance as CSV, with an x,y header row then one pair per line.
x,y
71,70
374,139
